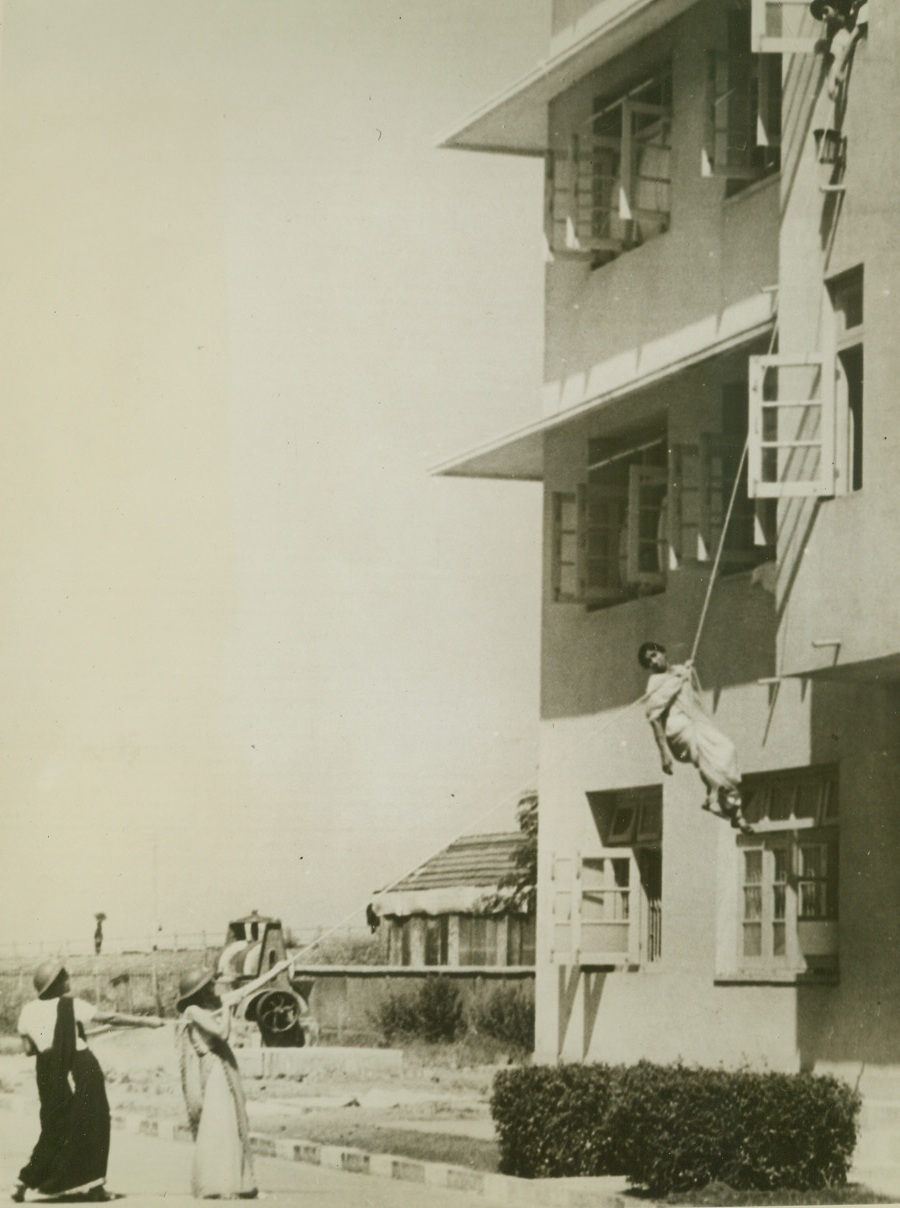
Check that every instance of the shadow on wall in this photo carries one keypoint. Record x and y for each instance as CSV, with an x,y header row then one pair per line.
x,y
857,725
571,980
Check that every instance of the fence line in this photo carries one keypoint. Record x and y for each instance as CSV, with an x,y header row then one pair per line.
x,y
162,942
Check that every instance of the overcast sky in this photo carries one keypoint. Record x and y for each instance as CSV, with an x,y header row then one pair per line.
x,y
245,304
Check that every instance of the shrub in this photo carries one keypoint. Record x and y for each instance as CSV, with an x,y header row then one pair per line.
x,y
505,1013
431,1012
673,1128
552,1121
682,1128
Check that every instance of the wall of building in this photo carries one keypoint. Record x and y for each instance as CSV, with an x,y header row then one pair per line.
x,y
675,1008
684,290
837,578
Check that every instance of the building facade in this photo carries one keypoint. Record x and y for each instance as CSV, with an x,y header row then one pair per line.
x,y
723,239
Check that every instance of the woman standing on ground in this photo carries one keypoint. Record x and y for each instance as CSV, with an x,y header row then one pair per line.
x,y
72,1151
213,1095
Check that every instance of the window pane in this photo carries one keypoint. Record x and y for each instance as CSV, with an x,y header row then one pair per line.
x,y
568,581
753,867
621,871
752,939
781,864
778,938
753,903
778,901
812,900
813,860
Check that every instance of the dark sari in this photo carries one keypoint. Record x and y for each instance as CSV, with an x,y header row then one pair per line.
x,y
73,1149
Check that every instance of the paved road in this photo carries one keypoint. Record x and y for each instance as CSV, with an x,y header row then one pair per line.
x,y
148,1172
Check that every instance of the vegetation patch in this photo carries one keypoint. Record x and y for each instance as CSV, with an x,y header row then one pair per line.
x,y
672,1128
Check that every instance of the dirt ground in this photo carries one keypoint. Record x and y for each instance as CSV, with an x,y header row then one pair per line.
x,y
433,1109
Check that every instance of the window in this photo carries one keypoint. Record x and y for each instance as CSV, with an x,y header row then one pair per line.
x,y
520,939
806,411
622,520
612,192
436,935
478,936
846,294
607,909
400,942
792,427
646,507
565,547
783,26
743,110
788,893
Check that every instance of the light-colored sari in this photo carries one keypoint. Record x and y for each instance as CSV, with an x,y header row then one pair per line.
x,y
214,1098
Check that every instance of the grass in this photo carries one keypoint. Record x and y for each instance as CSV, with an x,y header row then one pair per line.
x,y
470,1152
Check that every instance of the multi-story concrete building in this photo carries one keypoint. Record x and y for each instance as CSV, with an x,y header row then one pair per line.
x,y
723,257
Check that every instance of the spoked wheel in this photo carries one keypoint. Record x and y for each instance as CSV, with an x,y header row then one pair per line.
x,y
278,1016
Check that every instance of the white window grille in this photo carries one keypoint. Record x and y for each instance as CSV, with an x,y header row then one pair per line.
x,y
791,448
596,911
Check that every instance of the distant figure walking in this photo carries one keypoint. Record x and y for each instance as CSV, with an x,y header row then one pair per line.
x,y
683,729
72,1151
213,1094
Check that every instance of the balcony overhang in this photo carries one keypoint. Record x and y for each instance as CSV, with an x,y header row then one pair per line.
x,y
519,455
515,122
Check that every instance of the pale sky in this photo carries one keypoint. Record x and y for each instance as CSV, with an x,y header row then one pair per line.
x,y
245,304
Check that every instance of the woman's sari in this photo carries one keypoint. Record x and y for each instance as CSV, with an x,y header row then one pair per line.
x,y
72,1152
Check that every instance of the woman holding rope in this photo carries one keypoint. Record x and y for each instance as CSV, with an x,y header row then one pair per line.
x,y
683,729
72,1151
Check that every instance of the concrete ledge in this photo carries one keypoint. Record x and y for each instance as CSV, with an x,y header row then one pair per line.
x,y
493,1188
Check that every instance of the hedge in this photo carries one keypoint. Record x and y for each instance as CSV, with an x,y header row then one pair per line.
x,y
673,1128
553,1121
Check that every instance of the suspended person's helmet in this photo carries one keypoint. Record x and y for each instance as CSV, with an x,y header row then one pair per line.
x,y
46,974
191,983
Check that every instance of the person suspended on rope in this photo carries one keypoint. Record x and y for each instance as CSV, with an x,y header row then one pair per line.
x,y
846,21
683,729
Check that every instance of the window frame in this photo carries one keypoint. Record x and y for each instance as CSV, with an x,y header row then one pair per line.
x,y
849,412
723,135
489,944
824,482
793,811
574,217
797,43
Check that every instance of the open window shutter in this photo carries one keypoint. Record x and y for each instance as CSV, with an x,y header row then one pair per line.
x,y
720,461
782,27
562,892
609,899
601,519
684,501
647,538
646,166
768,101
729,138
792,427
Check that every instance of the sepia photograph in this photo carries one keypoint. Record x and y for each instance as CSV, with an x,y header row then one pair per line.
x,y
450,715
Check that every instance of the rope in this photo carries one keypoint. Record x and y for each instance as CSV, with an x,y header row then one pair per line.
x,y
727,521
595,734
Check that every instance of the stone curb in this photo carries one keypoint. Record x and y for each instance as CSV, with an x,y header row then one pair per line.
x,y
495,1188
